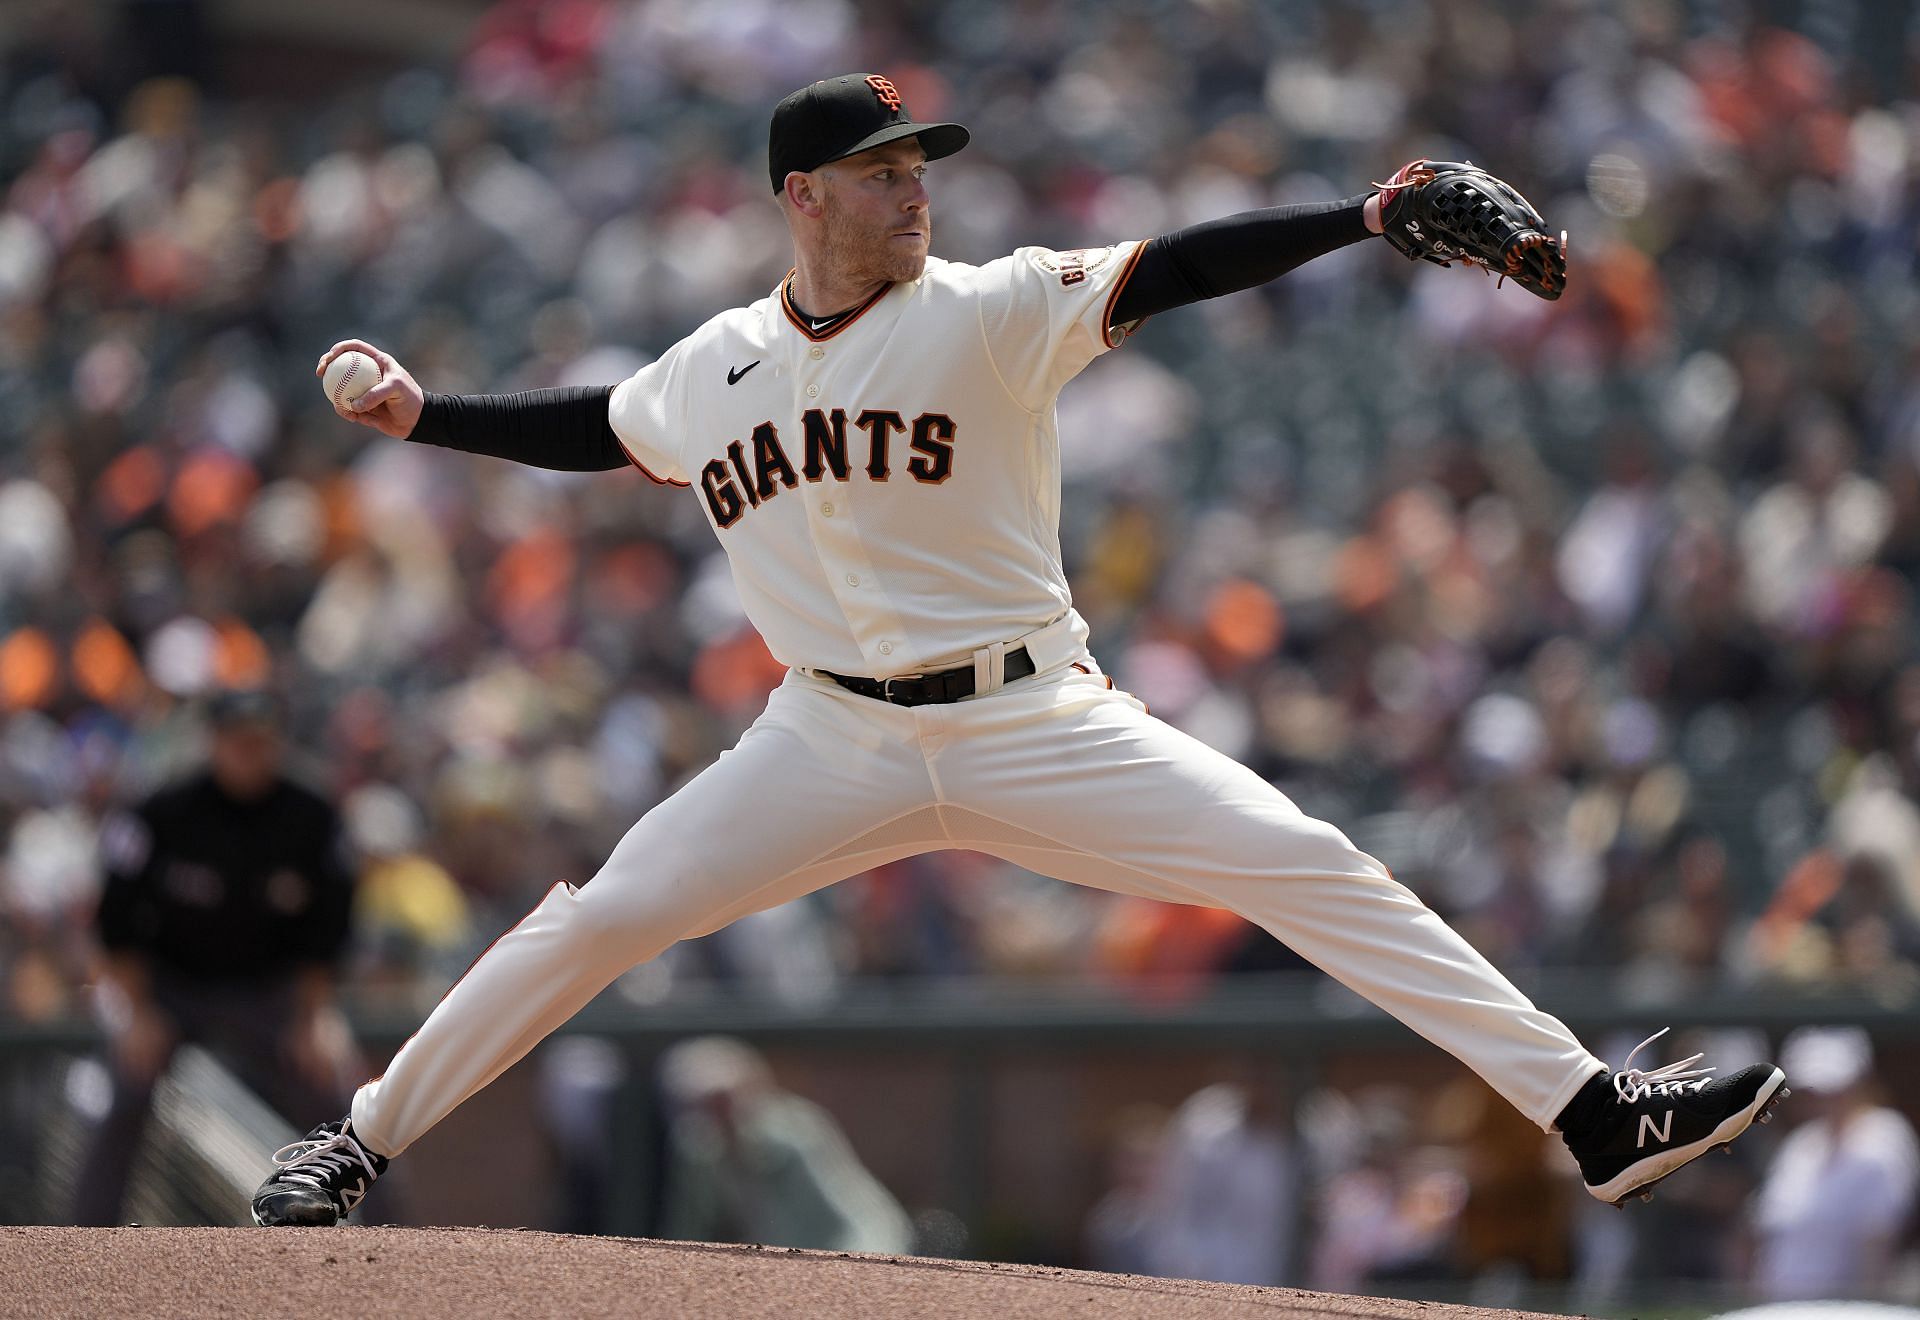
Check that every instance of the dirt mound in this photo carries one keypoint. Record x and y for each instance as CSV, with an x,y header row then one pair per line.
x,y
425,1274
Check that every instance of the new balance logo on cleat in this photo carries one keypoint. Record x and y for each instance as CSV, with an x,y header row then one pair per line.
x,y
1664,1132
317,1182
1665,1118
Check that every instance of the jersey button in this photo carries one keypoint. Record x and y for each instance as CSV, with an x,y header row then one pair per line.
x,y
886,648
816,352
826,511
813,391
853,579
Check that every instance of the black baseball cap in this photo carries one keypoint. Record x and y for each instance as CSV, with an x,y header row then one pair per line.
x,y
844,116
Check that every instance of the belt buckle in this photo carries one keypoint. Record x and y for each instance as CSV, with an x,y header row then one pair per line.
x,y
886,688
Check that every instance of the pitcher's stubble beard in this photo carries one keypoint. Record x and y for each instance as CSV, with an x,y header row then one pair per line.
x,y
872,253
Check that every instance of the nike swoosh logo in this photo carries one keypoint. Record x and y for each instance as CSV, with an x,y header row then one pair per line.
x,y
733,377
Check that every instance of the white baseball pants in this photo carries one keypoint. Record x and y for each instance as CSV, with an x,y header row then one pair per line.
x,y
1059,774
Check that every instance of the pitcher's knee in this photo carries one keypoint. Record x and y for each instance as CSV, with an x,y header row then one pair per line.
x,y
1362,865
638,912
1290,844
1318,846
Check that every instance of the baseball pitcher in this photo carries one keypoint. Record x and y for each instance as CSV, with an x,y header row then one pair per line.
x,y
874,443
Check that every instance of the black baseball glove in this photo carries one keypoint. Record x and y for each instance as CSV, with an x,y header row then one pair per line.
x,y
1446,211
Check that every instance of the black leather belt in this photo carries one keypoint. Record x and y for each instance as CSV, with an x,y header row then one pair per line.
x,y
930,689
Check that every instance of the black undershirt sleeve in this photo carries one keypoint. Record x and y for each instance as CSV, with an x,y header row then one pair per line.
x,y
1238,252
566,429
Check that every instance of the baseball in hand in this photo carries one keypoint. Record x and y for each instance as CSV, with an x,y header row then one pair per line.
x,y
349,376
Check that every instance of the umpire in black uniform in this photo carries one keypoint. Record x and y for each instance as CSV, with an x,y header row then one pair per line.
x,y
225,912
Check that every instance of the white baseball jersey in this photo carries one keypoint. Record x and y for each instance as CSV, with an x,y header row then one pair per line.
x,y
888,489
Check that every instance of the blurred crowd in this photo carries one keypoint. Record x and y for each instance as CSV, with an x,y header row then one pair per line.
x,y
1407,1190
1380,1188
1592,619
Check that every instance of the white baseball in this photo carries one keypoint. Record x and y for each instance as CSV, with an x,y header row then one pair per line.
x,y
349,376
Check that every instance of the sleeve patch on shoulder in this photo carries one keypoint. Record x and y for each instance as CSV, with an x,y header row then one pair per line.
x,y
1073,266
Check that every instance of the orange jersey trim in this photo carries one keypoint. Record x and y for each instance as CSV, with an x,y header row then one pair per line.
x,y
658,481
799,322
1113,299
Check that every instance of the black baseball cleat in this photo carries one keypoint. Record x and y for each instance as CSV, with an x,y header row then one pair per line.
x,y
1657,1121
318,1181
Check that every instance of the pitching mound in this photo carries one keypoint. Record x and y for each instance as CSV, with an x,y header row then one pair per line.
x,y
426,1273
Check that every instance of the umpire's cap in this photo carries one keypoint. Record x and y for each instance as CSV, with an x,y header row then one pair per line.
x,y
842,117
237,707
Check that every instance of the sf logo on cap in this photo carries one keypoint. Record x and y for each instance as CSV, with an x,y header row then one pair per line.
x,y
888,94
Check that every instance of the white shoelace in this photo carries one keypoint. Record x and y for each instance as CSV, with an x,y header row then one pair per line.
x,y
339,1151
1632,1083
